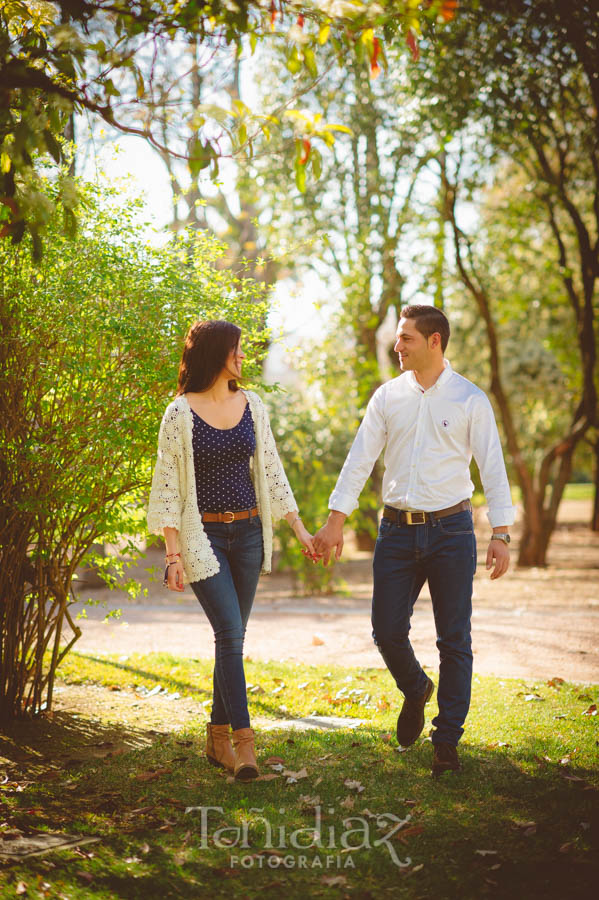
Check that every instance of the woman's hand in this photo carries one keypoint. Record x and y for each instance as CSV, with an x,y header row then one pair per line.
x,y
175,577
305,539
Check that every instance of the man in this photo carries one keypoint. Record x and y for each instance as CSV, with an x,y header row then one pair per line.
x,y
431,421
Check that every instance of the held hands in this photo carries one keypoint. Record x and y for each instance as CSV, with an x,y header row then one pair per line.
x,y
330,536
499,554
305,538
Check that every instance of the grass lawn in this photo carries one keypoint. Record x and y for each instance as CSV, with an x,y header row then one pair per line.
x,y
520,820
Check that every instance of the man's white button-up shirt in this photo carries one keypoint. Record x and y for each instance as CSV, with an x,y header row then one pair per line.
x,y
430,437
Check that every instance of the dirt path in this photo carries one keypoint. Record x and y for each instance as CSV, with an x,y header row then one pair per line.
x,y
535,623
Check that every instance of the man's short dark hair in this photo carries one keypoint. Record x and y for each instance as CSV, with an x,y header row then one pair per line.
x,y
428,320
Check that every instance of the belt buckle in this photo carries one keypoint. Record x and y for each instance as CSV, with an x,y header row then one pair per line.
x,y
410,520
228,513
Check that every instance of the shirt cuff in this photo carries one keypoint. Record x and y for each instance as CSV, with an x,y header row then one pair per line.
x,y
344,503
501,515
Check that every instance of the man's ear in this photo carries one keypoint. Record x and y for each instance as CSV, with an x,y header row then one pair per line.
x,y
434,339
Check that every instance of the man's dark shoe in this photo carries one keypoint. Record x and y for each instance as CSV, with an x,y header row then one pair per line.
x,y
445,759
411,718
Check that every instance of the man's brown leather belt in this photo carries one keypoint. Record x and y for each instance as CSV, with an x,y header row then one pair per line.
x,y
408,517
228,516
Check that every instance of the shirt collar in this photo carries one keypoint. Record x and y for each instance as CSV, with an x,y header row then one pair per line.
x,y
441,380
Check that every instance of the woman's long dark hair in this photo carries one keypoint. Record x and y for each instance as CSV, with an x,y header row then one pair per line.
x,y
207,348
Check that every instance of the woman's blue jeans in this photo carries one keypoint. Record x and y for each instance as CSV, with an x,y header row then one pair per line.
x,y
227,599
444,554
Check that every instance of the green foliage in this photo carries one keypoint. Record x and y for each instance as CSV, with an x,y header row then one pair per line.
x,y
60,58
91,342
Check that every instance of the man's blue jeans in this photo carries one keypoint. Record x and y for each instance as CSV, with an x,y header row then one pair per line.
x,y
227,599
444,553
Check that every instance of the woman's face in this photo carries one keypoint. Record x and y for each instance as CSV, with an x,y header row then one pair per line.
x,y
235,361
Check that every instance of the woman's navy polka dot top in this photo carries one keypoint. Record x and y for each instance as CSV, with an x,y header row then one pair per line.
x,y
222,464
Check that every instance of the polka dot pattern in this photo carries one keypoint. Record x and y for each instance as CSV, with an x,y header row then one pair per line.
x,y
221,459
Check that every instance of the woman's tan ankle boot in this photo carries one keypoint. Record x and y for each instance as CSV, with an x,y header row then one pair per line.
x,y
246,767
219,750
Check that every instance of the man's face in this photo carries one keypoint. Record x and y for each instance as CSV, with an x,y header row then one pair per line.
x,y
411,346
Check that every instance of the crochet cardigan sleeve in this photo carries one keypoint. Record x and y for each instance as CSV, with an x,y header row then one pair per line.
x,y
166,495
282,500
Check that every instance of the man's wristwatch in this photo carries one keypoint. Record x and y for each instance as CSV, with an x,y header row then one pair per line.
x,y
501,537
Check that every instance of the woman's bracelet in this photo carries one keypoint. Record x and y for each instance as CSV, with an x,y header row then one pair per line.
x,y
291,524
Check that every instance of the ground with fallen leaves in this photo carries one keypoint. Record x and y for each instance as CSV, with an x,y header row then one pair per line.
x,y
336,812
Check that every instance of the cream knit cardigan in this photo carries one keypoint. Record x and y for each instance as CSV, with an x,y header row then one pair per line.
x,y
173,500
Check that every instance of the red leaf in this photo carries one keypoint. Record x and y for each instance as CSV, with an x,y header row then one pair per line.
x,y
306,145
375,69
273,14
448,9
300,21
413,45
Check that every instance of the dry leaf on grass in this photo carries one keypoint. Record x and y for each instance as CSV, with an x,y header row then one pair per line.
x,y
274,760
334,880
303,773
152,774
591,711
348,803
353,785
268,777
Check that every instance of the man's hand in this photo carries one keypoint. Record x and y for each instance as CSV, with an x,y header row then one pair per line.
x,y
498,553
329,536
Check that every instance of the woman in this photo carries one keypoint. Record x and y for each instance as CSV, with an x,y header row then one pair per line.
x,y
218,486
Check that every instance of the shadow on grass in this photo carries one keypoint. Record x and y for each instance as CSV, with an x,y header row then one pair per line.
x,y
505,826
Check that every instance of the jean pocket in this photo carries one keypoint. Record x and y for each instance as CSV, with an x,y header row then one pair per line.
x,y
459,523
385,527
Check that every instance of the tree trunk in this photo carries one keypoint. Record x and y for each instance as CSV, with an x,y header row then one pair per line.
x,y
595,515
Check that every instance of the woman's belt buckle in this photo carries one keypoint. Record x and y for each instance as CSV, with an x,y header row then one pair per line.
x,y
415,518
228,513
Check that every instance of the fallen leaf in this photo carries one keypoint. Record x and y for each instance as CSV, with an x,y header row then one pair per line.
x,y
348,803
487,852
21,888
555,682
317,641
406,832
318,780
416,869
273,761
268,777
152,775
565,848
386,737
303,773
529,697
334,880
308,802
353,785
591,711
